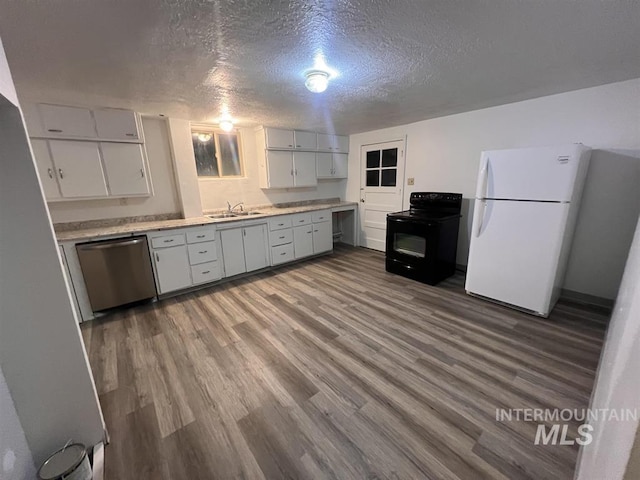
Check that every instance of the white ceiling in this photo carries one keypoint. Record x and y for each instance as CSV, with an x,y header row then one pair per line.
x,y
398,61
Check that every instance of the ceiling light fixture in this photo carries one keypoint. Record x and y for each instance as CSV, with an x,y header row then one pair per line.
x,y
204,137
316,81
226,125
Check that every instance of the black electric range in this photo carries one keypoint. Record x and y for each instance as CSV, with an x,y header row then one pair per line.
x,y
422,241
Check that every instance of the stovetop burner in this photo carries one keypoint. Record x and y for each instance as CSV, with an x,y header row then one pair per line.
x,y
432,205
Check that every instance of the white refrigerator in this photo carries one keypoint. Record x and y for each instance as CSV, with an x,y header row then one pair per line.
x,y
524,215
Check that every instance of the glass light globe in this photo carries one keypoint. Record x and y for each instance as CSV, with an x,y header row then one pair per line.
x,y
226,125
317,81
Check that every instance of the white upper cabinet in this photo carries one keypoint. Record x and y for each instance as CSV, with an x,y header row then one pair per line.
x,y
125,169
79,168
305,140
46,169
278,138
32,119
60,121
304,169
331,165
115,124
279,166
333,143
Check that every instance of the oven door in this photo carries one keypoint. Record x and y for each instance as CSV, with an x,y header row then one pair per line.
x,y
410,240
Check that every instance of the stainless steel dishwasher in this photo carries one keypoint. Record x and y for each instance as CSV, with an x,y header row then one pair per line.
x,y
117,271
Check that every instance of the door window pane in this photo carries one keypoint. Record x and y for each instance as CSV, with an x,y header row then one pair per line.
x,y
373,159
373,178
390,157
388,177
204,148
229,156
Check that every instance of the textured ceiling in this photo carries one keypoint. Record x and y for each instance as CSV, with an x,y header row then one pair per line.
x,y
398,61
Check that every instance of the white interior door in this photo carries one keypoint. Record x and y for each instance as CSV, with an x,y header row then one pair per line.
x,y
514,251
381,188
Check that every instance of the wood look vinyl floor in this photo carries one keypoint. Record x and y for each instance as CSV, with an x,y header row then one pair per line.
x,y
336,369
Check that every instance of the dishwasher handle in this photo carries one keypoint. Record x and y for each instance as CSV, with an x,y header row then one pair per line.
x,y
113,244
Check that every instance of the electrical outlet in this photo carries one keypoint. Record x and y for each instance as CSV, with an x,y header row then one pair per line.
x,y
410,181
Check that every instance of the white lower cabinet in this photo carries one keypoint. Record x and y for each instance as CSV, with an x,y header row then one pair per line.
x,y
185,257
322,237
244,249
172,268
303,241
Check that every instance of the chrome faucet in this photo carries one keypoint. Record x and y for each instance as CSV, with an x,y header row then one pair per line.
x,y
230,209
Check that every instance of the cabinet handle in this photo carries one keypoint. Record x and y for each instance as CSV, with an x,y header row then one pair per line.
x,y
61,174
55,130
315,230
281,224
296,172
206,271
281,238
321,218
130,134
292,172
300,221
203,252
142,173
244,232
169,241
50,172
199,236
283,253
298,146
157,257
290,145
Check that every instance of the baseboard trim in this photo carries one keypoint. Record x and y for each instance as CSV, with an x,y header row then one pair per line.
x,y
586,298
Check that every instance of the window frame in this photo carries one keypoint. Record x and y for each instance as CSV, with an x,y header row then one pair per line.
x,y
216,131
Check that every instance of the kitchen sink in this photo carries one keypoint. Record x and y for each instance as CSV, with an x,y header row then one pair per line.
x,y
223,215
249,213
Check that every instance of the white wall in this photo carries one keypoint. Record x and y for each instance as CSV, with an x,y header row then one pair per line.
x,y
443,155
15,457
216,192
164,199
617,384
41,351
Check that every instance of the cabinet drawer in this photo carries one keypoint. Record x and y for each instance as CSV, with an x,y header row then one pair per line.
x,y
280,237
321,216
279,223
282,253
300,219
202,252
205,272
197,236
167,241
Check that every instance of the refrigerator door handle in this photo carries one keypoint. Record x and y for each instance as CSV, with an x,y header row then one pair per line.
x,y
482,209
483,179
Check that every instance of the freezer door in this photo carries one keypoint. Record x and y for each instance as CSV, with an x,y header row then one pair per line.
x,y
546,173
515,247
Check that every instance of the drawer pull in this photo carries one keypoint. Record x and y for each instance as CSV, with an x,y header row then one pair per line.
x,y
130,134
200,236
281,238
283,253
321,218
157,257
50,172
55,130
206,271
281,224
315,230
300,221
169,240
203,252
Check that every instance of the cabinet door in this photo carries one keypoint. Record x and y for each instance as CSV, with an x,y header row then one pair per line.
x,y
255,247
341,144
124,166
79,169
324,142
114,124
46,169
303,241
278,138
59,121
322,237
279,169
305,140
304,168
324,165
233,252
172,268
340,161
